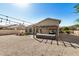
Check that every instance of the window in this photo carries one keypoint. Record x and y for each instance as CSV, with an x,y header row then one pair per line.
x,y
30,30
37,30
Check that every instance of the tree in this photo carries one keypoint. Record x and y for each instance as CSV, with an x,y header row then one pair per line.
x,y
65,30
77,21
77,11
77,8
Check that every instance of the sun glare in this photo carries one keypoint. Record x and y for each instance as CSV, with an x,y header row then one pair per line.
x,y
21,5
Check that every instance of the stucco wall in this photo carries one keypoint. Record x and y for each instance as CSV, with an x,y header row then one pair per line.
x,y
76,33
5,32
45,31
48,23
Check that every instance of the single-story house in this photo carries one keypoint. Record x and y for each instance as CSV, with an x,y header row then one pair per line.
x,y
46,26
76,32
12,29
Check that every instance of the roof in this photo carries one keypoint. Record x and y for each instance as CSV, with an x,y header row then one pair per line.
x,y
50,19
45,20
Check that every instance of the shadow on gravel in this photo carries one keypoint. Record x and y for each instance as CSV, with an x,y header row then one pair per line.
x,y
63,38
71,39
46,40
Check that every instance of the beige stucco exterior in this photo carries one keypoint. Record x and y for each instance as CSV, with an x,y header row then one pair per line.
x,y
12,29
5,32
76,32
44,26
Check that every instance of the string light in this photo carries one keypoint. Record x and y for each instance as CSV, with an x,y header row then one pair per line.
x,y
15,18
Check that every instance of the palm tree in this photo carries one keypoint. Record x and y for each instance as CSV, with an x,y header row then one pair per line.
x,y
77,8
77,11
77,21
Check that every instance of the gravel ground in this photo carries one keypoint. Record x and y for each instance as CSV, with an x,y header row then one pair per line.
x,y
12,45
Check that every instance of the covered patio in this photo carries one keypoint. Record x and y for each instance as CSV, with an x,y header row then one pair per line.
x,y
46,27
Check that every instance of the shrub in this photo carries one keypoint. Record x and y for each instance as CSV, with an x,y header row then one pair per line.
x,y
26,33
61,31
67,31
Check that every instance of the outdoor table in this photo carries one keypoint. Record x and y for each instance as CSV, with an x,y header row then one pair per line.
x,y
46,36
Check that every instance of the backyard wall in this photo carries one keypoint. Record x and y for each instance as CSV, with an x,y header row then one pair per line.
x,y
8,32
76,32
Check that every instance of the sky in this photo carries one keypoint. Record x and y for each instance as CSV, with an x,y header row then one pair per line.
x,y
35,12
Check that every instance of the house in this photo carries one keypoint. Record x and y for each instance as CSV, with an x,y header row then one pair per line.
x,y
46,26
74,30
12,29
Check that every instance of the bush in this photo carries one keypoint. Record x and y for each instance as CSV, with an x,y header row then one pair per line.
x,y
26,33
67,31
61,31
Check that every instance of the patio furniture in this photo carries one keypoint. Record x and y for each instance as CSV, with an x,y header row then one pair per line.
x,y
46,36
